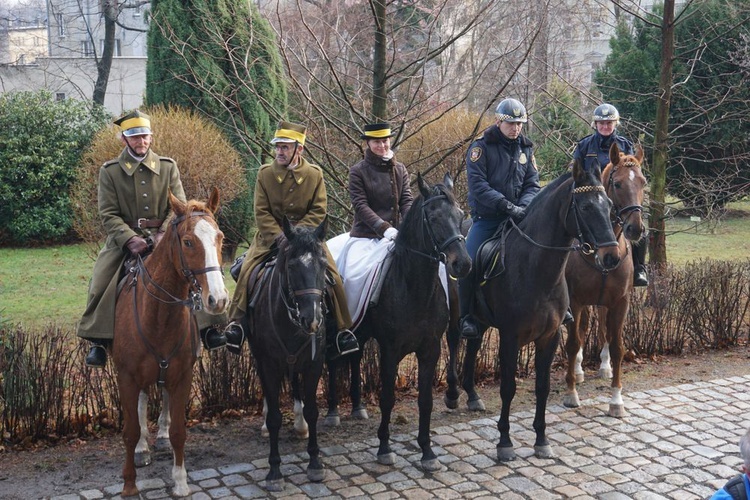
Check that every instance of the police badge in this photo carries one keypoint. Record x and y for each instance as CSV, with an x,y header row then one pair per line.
x,y
522,159
476,153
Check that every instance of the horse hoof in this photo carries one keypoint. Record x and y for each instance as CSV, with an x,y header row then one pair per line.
x,y
617,411
544,451
162,444
571,400
387,458
129,491
451,404
181,491
505,453
332,421
264,432
275,484
476,405
316,475
302,434
579,378
605,373
360,413
142,458
431,465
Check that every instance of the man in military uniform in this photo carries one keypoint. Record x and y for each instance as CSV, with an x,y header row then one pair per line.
x,y
502,179
593,152
133,195
291,187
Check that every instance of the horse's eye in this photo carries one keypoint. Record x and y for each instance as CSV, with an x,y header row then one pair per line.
x,y
618,185
188,243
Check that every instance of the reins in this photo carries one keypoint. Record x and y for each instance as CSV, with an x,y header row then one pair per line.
x,y
437,253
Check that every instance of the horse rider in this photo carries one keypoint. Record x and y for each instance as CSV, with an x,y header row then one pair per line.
x,y
133,197
289,186
502,179
381,196
593,152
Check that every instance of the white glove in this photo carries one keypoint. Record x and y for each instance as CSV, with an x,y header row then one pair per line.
x,y
390,233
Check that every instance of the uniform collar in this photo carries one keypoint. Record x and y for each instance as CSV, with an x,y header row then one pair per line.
x,y
129,164
298,173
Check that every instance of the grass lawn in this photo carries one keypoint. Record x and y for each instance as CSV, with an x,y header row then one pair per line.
x,y
44,286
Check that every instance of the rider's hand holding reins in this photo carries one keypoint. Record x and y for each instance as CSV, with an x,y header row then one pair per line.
x,y
390,233
514,211
137,245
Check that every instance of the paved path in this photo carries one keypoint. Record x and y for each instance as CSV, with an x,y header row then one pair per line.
x,y
676,443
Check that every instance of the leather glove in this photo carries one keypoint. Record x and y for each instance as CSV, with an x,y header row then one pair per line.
x,y
137,245
514,211
390,233
157,237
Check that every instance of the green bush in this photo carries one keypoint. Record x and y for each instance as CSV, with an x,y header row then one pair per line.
x,y
40,149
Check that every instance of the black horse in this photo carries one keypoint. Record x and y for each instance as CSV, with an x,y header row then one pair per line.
x,y
527,301
411,313
287,335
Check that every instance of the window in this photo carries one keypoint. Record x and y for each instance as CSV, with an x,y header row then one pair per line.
x,y
60,25
87,48
59,96
118,47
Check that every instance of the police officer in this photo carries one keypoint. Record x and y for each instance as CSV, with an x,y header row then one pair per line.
x,y
593,152
133,196
502,179
293,187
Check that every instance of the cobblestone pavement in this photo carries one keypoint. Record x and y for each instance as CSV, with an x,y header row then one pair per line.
x,y
675,443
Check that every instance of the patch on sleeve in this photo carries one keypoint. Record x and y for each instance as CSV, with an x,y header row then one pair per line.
x,y
476,153
533,162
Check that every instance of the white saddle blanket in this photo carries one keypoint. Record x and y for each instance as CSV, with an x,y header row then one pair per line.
x,y
360,262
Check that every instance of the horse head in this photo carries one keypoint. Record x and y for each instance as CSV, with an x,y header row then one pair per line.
x,y
442,218
303,263
588,217
195,241
625,184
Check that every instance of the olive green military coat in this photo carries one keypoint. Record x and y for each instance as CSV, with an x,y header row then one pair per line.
x,y
128,191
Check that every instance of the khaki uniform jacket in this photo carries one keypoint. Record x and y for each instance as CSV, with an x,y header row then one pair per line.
x,y
128,191
300,194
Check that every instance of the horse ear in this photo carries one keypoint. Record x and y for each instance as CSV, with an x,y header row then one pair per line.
x,y
322,229
578,172
178,207
287,226
448,181
614,153
423,187
213,200
639,153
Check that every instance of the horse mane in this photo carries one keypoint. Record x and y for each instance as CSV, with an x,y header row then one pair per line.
x,y
196,206
304,242
412,226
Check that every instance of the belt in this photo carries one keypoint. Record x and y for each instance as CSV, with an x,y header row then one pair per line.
x,y
145,223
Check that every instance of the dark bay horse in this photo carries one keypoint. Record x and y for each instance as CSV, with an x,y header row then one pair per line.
x,y
412,313
527,301
589,285
286,326
156,336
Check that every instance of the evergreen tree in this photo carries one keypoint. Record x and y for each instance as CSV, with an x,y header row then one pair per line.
x,y
220,58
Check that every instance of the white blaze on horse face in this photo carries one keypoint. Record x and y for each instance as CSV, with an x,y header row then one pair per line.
x,y
206,233
631,175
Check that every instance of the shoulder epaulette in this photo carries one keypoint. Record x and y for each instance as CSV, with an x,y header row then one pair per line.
x,y
111,162
167,158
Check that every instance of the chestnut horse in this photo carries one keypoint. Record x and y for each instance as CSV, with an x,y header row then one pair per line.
x,y
156,335
588,285
526,302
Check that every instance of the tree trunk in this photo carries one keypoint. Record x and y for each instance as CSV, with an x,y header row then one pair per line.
x,y
379,92
104,64
657,243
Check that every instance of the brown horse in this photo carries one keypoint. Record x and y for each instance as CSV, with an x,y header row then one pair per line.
x,y
588,285
156,336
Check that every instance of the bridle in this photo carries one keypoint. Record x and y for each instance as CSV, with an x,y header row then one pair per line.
x,y
437,252
621,215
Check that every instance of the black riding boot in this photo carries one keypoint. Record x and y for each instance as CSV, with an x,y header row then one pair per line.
x,y
344,343
235,336
97,356
640,277
213,338
467,324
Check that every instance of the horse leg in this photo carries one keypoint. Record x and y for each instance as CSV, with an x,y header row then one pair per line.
x,y
605,367
162,435
177,434
301,429
332,417
545,353
427,361
452,337
508,362
359,410
271,387
388,366
315,471
574,352
130,431
142,453
615,321
474,402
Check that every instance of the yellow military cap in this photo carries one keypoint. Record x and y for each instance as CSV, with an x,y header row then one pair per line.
x,y
290,132
377,131
134,123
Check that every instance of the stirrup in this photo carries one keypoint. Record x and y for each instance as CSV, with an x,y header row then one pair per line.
x,y
346,342
235,335
213,338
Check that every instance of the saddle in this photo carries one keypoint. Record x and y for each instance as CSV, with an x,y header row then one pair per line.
x,y
259,276
490,258
381,271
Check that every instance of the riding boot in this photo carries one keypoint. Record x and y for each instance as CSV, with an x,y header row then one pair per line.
x,y
640,276
344,343
97,356
235,336
213,338
467,324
